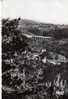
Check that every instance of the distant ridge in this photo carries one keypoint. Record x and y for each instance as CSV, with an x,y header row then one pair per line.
x,y
43,29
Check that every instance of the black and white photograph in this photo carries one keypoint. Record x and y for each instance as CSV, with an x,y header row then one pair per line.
x,y
34,49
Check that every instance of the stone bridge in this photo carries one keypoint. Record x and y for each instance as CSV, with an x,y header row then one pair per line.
x,y
40,38
38,41
36,37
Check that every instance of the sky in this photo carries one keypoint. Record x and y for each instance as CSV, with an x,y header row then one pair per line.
x,y
50,11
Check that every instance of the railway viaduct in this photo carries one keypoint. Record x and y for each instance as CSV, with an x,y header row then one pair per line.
x,y
38,41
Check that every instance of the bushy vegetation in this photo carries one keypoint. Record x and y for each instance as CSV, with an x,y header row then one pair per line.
x,y
24,74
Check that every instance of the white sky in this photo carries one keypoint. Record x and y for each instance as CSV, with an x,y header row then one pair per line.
x,y
52,11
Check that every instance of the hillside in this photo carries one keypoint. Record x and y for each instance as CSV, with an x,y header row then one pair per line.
x,y
34,68
43,29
